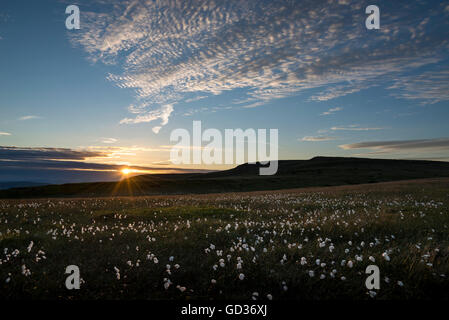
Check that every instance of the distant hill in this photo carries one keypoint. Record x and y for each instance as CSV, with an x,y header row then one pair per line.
x,y
19,184
319,171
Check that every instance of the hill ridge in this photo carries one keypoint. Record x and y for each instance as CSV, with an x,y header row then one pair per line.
x,y
318,171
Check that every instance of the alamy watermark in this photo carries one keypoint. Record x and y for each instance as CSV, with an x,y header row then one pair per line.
x,y
250,146
373,20
73,20
73,280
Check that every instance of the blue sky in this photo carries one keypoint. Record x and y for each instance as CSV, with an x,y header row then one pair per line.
x,y
136,70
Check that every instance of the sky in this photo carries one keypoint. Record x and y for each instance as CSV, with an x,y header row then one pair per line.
x,y
79,105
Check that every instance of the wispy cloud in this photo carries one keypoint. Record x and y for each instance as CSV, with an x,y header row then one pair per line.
x,y
331,111
4,133
23,153
30,117
423,144
162,113
109,140
429,87
317,138
168,49
356,127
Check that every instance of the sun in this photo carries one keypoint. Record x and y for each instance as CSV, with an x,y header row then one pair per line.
x,y
126,171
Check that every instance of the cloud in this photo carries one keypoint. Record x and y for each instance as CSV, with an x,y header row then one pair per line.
x,y
22,153
331,111
195,99
163,113
429,87
4,133
168,50
156,129
318,138
109,140
386,146
30,117
356,127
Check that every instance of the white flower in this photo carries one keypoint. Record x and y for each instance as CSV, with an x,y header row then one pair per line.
x,y
241,276
182,289
30,246
350,264
371,258
213,281
269,297
167,283
171,258
311,273
400,283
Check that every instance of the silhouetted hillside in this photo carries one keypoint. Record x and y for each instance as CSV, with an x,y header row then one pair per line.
x,y
319,171
20,184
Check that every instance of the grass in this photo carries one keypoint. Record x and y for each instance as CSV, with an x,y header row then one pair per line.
x,y
271,233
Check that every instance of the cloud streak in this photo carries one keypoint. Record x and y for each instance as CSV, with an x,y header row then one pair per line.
x,y
30,117
317,138
387,146
331,111
19,153
355,127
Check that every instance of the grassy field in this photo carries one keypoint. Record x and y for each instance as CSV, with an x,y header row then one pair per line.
x,y
310,243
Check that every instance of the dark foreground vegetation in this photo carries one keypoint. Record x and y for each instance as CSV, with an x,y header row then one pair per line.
x,y
295,244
